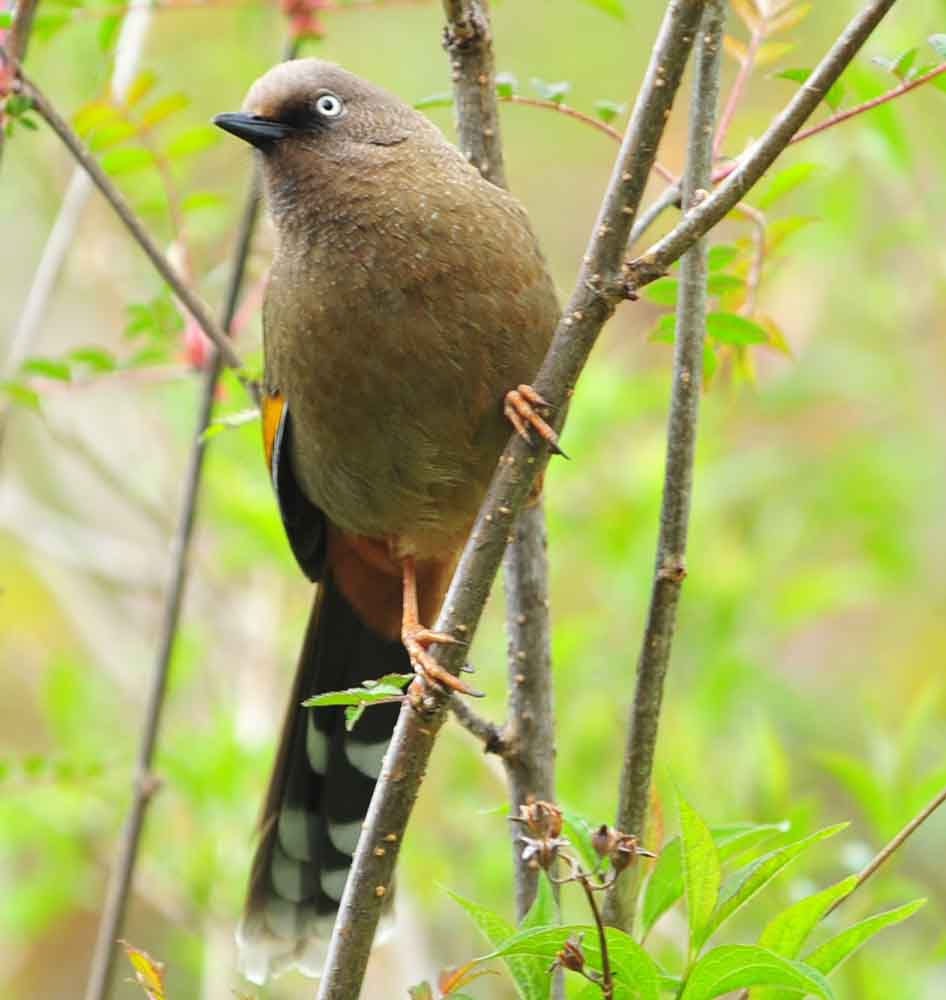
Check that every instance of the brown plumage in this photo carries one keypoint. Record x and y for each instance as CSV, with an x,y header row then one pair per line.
x,y
407,297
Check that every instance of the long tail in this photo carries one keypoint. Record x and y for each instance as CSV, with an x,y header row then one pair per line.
x,y
321,786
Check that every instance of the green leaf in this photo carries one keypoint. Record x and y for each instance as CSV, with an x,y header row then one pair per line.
x,y
91,116
779,231
900,67
47,368
730,328
738,966
578,831
198,201
938,42
663,291
554,92
370,694
230,422
721,256
665,329
352,714
506,84
832,98
613,7
530,976
126,161
723,284
442,100
542,912
96,358
111,133
787,932
163,108
635,974
108,31
755,876
784,182
191,141
665,885
832,953
710,364
21,395
701,872
609,111
141,86
6,19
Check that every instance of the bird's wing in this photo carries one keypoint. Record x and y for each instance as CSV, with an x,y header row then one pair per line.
x,y
303,521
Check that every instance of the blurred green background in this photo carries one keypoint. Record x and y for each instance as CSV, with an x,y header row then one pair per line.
x,y
807,677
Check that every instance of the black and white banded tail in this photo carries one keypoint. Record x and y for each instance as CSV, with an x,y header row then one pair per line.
x,y
321,786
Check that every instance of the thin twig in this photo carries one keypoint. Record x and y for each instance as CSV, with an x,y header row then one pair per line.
x,y
762,154
145,782
883,856
593,301
670,571
189,299
672,195
754,279
759,33
485,730
891,848
607,977
564,109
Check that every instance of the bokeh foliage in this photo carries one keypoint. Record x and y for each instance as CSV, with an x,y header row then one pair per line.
x,y
806,682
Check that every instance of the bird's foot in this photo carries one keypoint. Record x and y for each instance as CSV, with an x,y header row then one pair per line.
x,y
520,409
416,641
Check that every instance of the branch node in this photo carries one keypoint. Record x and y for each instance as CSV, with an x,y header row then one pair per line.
x,y
673,568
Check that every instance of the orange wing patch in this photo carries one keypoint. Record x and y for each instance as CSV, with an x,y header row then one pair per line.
x,y
274,410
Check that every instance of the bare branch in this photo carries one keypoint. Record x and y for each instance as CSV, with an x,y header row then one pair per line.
x,y
593,301
469,46
190,300
486,731
529,735
888,851
703,217
670,571
145,782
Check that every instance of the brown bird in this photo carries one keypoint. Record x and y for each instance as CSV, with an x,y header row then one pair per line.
x,y
408,306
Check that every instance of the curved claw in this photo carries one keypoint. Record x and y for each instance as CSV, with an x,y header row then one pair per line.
x,y
416,642
519,408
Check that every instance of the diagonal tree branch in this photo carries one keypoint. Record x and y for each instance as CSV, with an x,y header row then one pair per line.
x,y
191,301
762,154
678,476
593,301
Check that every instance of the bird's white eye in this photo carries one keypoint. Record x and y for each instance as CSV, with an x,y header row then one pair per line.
x,y
329,106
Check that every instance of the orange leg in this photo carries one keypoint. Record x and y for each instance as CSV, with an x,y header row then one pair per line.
x,y
521,413
417,638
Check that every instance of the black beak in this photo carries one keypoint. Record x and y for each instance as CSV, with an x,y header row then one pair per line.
x,y
259,132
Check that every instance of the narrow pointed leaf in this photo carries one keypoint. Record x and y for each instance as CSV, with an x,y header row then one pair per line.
x,y
665,885
701,872
746,883
832,953
787,933
736,967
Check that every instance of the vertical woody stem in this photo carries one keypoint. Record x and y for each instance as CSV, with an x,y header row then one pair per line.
x,y
678,477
